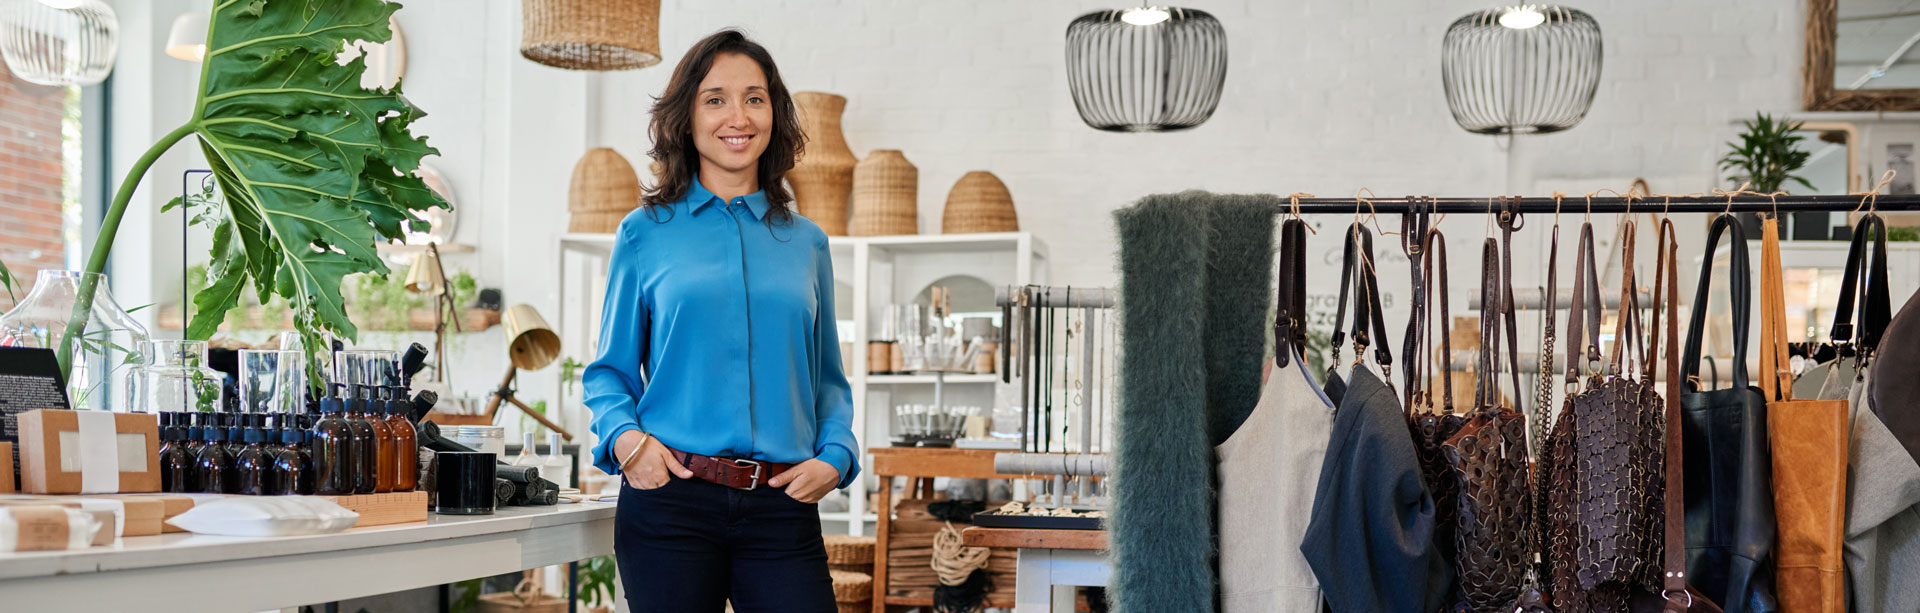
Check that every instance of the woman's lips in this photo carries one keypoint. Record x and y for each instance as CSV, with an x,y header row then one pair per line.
x,y
737,143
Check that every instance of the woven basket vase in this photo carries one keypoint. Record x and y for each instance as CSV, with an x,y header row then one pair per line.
x,y
979,202
885,191
591,34
823,178
602,192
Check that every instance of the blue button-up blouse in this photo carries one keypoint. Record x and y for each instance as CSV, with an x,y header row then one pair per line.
x,y
718,337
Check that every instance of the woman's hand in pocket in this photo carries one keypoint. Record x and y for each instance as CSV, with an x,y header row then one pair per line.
x,y
656,464
808,481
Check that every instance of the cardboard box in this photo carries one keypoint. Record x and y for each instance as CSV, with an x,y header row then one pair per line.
x,y
91,452
41,528
6,473
171,505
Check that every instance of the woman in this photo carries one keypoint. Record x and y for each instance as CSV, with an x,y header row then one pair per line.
x,y
718,394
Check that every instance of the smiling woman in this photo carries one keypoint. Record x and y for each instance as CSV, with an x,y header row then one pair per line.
x,y
718,393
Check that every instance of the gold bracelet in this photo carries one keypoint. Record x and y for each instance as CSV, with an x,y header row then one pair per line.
x,y
628,461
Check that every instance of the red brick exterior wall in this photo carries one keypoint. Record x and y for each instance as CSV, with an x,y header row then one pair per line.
x,y
31,165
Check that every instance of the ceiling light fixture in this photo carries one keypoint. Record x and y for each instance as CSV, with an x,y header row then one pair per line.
x,y
1522,17
187,40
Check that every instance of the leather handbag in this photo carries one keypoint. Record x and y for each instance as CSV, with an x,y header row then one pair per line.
x,y
1431,426
1604,497
1488,456
1809,440
1838,362
1729,482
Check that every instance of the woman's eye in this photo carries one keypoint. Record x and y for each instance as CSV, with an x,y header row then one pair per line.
x,y
713,101
756,100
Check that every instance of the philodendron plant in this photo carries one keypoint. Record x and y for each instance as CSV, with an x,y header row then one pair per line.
x,y
313,169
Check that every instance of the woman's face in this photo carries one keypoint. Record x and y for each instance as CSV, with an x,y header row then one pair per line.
x,y
732,115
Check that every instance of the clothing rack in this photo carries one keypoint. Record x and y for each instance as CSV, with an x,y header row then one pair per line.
x,y
1744,203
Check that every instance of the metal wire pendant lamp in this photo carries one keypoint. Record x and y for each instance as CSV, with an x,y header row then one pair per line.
x,y
59,43
1146,69
1530,68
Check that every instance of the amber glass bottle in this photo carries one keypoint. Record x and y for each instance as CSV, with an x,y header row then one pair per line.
x,y
384,473
253,468
366,449
214,467
406,443
334,452
290,474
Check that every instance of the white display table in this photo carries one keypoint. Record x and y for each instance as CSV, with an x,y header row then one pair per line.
x,y
186,572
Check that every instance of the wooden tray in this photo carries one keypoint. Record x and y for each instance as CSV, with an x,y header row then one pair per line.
x,y
384,509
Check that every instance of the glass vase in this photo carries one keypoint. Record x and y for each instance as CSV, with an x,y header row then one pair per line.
x,y
175,377
104,352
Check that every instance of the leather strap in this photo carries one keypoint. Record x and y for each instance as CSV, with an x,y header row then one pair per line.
x,y
1413,237
736,474
1673,580
1776,378
1626,326
1510,220
1358,268
1289,325
1583,350
1739,283
1420,358
1875,308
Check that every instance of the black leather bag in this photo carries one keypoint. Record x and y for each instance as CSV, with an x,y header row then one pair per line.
x,y
1728,461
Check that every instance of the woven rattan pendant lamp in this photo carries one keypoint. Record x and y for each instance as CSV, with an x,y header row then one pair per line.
x,y
1531,68
1146,69
591,34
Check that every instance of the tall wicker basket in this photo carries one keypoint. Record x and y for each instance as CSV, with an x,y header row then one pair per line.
x,y
591,34
823,179
979,202
604,189
886,188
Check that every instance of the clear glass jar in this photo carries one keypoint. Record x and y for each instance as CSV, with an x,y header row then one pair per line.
x,y
272,381
365,368
490,439
175,377
106,349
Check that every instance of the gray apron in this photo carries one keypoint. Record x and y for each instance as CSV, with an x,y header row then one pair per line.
x,y
1269,468
1883,511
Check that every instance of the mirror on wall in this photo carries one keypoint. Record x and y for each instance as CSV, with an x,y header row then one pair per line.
x,y
1862,55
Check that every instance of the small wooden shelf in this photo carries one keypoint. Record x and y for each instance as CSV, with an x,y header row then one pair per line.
x,y
1016,538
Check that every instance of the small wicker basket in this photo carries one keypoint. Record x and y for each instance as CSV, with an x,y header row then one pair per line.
x,y
851,587
849,550
591,34
603,190
979,202
886,188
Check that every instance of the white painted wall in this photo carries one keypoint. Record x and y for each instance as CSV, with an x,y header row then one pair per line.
x,y
1321,97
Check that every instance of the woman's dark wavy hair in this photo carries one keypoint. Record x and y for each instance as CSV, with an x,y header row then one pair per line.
x,y
672,125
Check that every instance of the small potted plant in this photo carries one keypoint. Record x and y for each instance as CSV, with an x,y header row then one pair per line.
x,y
596,584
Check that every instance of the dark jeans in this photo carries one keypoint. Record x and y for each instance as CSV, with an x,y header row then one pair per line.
x,y
690,545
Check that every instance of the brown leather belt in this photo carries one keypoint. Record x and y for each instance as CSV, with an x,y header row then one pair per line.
x,y
730,472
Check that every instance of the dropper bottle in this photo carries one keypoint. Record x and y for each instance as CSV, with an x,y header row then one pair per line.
x,y
176,461
333,450
384,473
366,449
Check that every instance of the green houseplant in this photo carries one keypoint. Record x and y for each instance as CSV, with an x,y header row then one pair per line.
x,y
1767,155
312,168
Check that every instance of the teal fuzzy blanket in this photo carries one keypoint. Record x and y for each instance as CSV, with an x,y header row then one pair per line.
x,y
1195,280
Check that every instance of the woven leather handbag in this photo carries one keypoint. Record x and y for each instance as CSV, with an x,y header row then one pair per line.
x,y
1429,425
1489,454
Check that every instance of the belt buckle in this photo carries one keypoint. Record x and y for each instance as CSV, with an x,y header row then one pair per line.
x,y
758,469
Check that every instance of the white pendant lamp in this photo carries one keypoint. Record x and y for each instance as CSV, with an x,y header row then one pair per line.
x,y
188,38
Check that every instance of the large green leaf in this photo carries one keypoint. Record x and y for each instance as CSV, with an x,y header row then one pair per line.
x,y
313,169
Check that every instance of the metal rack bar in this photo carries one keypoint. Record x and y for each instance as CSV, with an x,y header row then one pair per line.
x,y
1611,204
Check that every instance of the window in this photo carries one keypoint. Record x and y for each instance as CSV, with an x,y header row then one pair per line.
x,y
40,217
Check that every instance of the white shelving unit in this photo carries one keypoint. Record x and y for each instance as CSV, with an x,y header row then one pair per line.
x,y
879,270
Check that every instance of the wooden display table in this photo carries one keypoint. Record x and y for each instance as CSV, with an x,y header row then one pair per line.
x,y
919,465
1048,558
